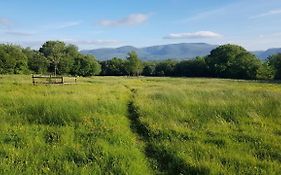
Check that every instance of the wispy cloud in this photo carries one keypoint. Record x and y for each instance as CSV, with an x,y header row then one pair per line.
x,y
33,44
133,19
68,24
194,35
61,25
212,13
269,13
5,22
83,43
18,33
203,15
93,42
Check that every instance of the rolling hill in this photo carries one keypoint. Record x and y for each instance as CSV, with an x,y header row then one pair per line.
x,y
265,54
161,52
170,51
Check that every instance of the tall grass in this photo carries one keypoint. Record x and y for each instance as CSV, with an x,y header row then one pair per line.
x,y
213,126
116,125
70,129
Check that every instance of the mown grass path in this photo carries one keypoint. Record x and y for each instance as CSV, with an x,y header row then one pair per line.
x,y
161,160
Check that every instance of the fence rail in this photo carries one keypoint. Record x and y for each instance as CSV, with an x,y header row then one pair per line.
x,y
36,79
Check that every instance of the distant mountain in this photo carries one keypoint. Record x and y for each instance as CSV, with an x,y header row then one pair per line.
x,y
170,51
264,54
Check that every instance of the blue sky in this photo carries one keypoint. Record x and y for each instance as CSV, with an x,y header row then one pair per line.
x,y
254,24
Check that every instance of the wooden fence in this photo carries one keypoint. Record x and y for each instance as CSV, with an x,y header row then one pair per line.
x,y
49,79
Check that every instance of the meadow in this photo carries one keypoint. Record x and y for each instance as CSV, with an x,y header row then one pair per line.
x,y
123,125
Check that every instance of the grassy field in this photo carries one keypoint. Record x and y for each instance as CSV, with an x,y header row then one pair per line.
x,y
119,125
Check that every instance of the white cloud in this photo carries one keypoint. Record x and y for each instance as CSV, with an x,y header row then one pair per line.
x,y
269,13
5,22
93,42
194,35
32,44
68,24
80,43
133,19
61,25
216,13
17,33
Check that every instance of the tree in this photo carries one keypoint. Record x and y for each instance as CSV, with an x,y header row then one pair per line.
x,y
165,68
37,62
85,65
60,55
244,66
232,61
69,53
134,65
275,63
114,67
192,68
149,69
265,72
12,60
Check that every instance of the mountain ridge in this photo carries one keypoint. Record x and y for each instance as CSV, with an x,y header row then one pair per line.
x,y
176,51
157,52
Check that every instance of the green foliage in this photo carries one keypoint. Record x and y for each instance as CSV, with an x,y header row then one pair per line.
x,y
265,72
12,60
149,69
232,61
114,67
134,65
275,63
37,62
56,52
85,66
227,61
165,68
66,59
192,68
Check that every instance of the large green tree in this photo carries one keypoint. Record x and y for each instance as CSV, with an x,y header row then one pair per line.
x,y
134,66
60,55
232,61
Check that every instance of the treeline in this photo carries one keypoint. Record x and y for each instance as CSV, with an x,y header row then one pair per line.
x,y
227,61
56,57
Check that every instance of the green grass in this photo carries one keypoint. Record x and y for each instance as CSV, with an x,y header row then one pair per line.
x,y
212,126
119,125
71,129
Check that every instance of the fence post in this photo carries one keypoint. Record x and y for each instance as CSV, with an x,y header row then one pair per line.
x,y
33,80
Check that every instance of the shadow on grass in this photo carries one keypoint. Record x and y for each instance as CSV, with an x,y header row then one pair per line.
x,y
268,81
167,162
